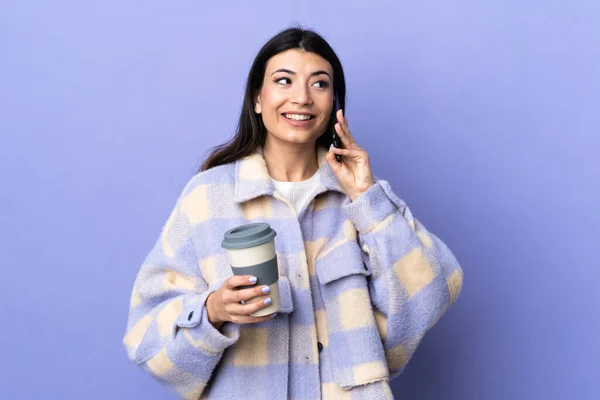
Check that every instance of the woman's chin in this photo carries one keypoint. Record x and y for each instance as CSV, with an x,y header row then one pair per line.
x,y
296,137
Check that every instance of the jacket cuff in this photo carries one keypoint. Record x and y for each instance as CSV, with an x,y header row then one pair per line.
x,y
194,317
370,208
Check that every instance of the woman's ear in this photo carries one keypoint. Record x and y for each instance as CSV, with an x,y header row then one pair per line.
x,y
257,107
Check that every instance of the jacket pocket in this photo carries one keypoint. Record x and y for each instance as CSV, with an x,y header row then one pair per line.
x,y
285,295
341,260
355,349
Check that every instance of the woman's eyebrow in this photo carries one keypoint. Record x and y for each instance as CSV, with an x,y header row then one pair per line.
x,y
319,72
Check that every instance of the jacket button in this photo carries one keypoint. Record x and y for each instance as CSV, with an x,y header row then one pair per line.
x,y
319,346
190,316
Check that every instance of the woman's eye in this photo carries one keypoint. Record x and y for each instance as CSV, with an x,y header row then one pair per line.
x,y
283,80
321,84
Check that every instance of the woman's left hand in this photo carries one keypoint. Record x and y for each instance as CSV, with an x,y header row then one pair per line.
x,y
354,172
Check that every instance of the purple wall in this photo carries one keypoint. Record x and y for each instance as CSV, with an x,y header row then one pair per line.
x,y
485,117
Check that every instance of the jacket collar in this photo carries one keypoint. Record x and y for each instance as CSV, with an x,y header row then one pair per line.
x,y
252,178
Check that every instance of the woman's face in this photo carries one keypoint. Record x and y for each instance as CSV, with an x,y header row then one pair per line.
x,y
296,98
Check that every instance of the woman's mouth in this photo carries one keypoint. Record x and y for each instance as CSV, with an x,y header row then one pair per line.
x,y
298,120
298,117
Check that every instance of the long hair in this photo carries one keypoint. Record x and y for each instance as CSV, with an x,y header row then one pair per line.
x,y
251,132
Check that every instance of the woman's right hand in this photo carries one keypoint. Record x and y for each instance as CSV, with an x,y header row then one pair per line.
x,y
226,303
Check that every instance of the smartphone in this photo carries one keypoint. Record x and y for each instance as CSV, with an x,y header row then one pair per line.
x,y
336,139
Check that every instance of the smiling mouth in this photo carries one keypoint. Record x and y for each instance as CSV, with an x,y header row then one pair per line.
x,y
298,117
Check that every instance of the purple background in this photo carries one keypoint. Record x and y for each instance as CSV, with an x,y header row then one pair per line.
x,y
484,116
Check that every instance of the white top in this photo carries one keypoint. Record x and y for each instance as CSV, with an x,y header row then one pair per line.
x,y
298,193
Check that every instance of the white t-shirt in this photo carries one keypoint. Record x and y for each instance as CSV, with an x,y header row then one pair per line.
x,y
298,193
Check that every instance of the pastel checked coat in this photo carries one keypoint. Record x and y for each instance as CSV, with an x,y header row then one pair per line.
x,y
360,284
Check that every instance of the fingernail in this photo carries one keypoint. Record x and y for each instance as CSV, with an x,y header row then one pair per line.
x,y
252,279
266,289
273,315
268,301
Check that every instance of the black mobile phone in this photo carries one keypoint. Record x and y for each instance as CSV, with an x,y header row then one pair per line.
x,y
336,139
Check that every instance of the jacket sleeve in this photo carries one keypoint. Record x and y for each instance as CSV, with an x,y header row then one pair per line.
x,y
413,275
168,332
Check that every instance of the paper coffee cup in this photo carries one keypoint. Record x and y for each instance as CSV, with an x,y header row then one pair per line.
x,y
251,251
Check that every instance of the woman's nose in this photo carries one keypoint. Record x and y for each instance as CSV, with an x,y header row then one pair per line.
x,y
301,95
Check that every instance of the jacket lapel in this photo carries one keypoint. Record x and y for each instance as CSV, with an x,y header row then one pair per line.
x,y
252,177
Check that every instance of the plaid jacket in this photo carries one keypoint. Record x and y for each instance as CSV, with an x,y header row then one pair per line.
x,y
360,284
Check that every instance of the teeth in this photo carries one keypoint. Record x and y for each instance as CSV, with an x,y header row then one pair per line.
x,y
297,117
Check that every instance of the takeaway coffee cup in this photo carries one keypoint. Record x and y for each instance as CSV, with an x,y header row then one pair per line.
x,y
251,251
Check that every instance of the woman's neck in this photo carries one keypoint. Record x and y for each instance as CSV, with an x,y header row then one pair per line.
x,y
290,162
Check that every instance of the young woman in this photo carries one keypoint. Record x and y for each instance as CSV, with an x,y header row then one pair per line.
x,y
360,279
